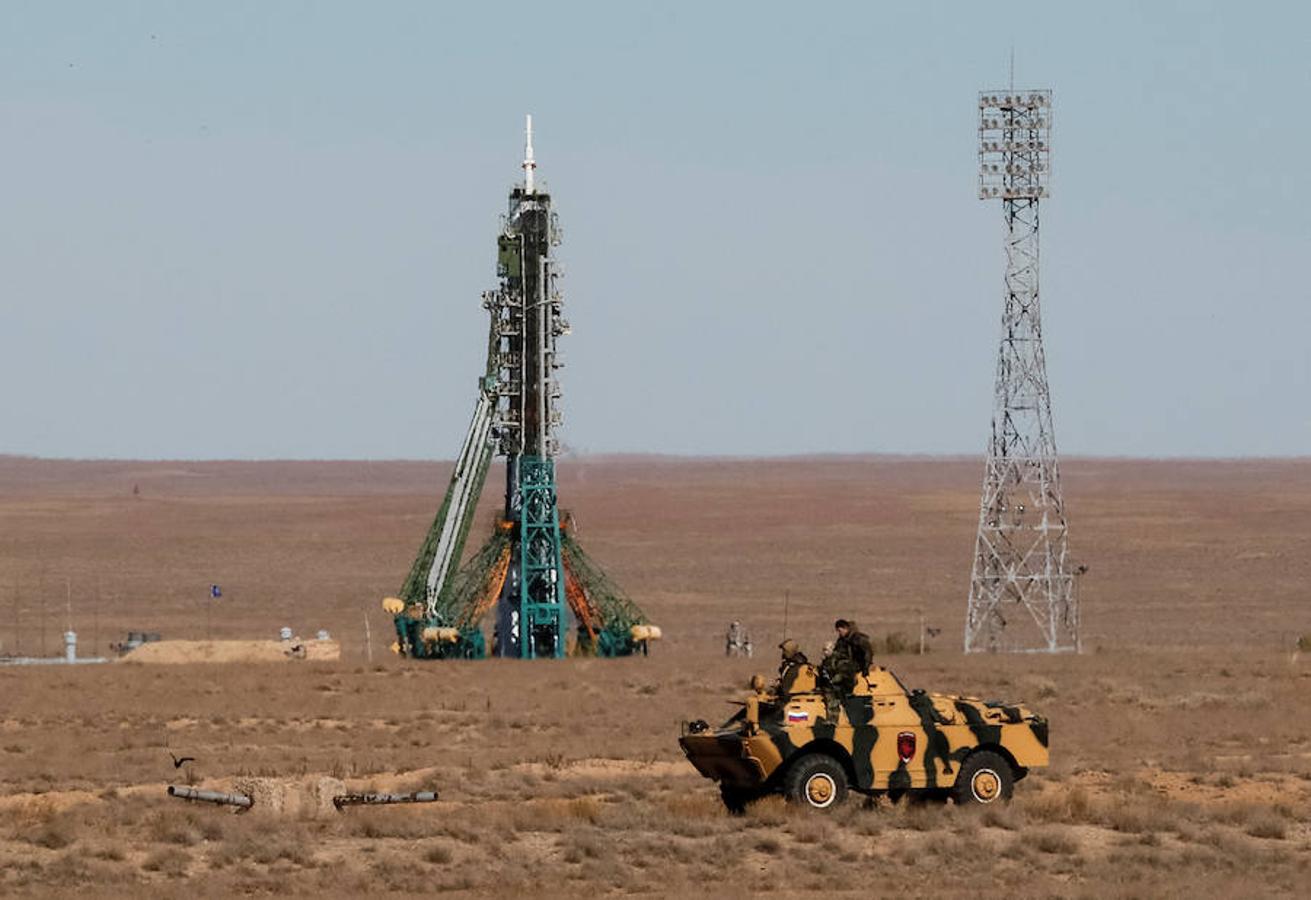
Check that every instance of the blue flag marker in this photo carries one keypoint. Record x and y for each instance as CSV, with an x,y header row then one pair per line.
x,y
215,591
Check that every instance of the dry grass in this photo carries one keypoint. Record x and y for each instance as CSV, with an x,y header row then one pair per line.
x,y
168,861
1051,839
1178,770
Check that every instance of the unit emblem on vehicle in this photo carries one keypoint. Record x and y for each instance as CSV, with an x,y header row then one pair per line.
x,y
906,746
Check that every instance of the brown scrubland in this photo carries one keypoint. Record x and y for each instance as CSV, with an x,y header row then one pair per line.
x,y
1181,737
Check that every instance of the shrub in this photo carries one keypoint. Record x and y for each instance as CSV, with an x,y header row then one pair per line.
x,y
1039,686
171,861
1268,826
167,830
53,836
1065,803
1053,841
438,855
111,853
1001,817
894,644
1134,815
586,809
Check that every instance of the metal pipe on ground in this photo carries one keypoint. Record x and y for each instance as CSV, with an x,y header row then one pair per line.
x,y
343,800
217,797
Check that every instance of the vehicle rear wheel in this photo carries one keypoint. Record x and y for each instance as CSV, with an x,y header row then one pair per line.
x,y
984,778
817,781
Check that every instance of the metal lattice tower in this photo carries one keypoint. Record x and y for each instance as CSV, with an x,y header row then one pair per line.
x,y
1022,594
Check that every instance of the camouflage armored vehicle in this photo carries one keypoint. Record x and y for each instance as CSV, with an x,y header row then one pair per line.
x,y
813,746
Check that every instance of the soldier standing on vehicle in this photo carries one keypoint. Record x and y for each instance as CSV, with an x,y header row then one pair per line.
x,y
792,664
851,656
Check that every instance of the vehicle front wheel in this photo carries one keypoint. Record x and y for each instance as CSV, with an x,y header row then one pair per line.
x,y
984,778
817,781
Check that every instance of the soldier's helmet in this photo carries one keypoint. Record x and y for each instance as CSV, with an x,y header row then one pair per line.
x,y
789,648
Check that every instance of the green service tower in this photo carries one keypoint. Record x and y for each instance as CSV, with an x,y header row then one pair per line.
x,y
531,571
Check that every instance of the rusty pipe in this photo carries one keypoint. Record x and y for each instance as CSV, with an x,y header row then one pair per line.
x,y
218,797
344,800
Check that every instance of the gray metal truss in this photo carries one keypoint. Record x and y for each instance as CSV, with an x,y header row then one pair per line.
x,y
1022,591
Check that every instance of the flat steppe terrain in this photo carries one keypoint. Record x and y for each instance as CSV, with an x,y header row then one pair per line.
x,y
1181,736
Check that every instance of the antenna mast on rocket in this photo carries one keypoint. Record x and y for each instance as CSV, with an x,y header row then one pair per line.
x,y
528,163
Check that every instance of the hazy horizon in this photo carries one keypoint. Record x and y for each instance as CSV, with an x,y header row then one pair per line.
x,y
644,454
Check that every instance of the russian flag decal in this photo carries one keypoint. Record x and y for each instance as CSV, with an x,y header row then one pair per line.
x,y
796,715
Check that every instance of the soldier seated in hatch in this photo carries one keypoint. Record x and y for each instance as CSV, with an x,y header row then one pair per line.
x,y
791,666
851,656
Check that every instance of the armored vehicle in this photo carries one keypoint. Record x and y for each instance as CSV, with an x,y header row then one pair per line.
x,y
813,744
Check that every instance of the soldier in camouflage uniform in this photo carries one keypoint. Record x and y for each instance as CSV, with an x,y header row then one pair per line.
x,y
737,642
791,665
851,656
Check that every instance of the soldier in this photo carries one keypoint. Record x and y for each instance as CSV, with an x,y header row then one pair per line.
x,y
851,656
791,665
738,640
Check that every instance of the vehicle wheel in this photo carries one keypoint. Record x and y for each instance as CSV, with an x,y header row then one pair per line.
x,y
984,778
736,798
817,781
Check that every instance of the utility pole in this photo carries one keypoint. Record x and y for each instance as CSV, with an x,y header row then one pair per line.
x,y
368,638
1021,587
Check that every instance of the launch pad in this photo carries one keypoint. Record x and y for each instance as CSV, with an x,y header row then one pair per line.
x,y
531,571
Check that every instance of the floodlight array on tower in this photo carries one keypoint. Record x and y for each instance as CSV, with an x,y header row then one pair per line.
x,y
1015,145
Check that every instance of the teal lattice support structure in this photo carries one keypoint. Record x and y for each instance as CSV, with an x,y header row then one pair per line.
x,y
543,613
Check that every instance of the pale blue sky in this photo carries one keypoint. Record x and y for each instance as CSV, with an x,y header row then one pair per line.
x,y
261,229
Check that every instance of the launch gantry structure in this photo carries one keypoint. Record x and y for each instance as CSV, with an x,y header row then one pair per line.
x,y
1022,588
532,570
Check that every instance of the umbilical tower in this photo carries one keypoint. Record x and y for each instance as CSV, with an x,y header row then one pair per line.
x,y
531,571
1022,594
